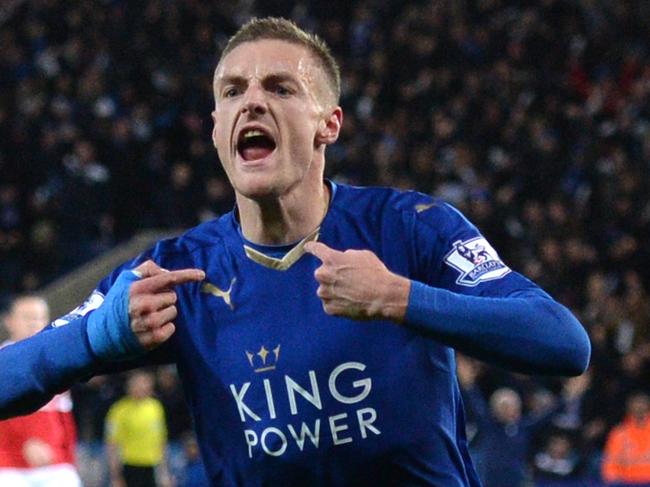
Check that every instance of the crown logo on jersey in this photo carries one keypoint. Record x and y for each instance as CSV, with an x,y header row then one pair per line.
x,y
264,360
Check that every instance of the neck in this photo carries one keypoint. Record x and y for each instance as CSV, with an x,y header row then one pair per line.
x,y
285,219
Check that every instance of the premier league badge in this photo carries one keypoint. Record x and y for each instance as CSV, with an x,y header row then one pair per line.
x,y
476,261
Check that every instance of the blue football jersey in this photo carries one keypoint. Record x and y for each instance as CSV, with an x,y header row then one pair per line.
x,y
282,393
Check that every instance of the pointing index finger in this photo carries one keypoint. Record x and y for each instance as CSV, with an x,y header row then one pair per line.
x,y
320,250
147,269
166,280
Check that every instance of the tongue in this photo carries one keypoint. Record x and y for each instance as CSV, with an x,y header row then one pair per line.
x,y
254,153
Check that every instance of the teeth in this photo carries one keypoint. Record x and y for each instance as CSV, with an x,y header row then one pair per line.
x,y
252,133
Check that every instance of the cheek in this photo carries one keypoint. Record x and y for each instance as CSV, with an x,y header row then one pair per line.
x,y
303,129
221,122
301,141
220,134
221,142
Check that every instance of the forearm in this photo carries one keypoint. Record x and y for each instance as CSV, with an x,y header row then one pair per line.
x,y
526,334
114,462
33,370
166,479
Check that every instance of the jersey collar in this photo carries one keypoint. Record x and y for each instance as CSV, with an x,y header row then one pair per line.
x,y
269,256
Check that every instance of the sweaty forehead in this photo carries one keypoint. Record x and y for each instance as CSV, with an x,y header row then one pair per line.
x,y
263,57
271,57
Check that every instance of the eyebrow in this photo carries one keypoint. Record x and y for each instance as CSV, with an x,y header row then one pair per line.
x,y
273,76
229,79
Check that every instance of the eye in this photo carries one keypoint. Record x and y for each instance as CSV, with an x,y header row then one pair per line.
x,y
230,92
282,90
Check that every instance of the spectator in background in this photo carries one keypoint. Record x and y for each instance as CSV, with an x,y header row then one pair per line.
x,y
136,436
558,461
170,393
84,221
627,451
193,473
37,450
11,238
505,434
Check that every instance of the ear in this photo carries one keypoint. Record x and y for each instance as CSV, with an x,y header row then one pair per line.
x,y
214,128
330,127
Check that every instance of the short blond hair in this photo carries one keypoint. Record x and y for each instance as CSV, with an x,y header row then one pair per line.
x,y
278,28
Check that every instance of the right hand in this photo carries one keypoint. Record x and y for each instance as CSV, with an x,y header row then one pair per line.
x,y
152,302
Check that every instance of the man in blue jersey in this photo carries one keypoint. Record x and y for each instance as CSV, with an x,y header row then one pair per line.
x,y
312,326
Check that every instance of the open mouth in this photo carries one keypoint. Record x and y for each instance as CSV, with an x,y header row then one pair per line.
x,y
254,144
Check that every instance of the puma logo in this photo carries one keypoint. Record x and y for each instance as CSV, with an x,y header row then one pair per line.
x,y
215,291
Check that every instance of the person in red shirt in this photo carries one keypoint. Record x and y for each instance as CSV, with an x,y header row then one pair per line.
x,y
37,449
627,451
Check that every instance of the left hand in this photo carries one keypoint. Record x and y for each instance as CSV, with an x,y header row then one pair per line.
x,y
356,284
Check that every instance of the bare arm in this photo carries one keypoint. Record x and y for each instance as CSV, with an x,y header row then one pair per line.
x,y
114,465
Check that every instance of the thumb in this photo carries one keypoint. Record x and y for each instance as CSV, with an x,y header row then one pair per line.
x,y
321,251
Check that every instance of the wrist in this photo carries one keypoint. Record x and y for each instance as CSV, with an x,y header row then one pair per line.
x,y
396,298
108,327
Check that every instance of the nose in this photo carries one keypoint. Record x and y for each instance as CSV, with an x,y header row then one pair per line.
x,y
254,101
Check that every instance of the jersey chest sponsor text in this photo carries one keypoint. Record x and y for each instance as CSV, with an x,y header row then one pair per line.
x,y
269,429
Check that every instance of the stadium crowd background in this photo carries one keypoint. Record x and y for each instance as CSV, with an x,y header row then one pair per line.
x,y
533,117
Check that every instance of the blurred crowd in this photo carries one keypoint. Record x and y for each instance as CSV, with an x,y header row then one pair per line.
x,y
533,117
